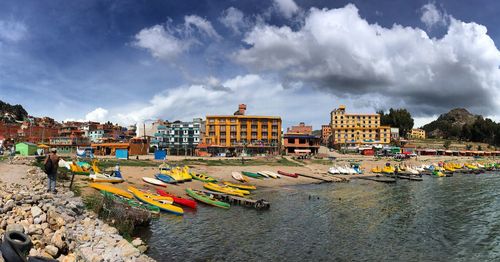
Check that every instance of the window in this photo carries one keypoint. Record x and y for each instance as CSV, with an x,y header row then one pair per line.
x,y
291,140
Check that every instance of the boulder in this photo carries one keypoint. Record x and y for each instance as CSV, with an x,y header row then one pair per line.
x,y
15,227
36,211
51,250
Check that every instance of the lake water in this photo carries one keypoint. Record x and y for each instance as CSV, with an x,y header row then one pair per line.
x,y
439,219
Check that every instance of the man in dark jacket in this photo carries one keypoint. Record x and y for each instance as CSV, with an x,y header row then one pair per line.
x,y
52,175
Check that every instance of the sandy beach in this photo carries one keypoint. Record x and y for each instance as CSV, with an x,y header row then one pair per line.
x,y
315,168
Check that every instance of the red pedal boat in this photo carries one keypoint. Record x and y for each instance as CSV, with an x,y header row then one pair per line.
x,y
288,174
178,200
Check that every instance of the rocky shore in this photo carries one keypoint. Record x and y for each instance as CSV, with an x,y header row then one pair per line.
x,y
58,224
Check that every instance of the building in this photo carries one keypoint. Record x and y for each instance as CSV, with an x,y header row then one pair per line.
x,y
417,133
9,130
394,134
68,145
96,135
326,132
184,137
161,138
299,141
357,129
300,129
26,149
240,133
136,146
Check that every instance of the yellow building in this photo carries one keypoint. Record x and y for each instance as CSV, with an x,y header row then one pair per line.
x,y
358,129
417,133
239,132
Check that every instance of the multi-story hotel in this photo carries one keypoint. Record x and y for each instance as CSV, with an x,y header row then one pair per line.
x,y
357,129
239,132
417,133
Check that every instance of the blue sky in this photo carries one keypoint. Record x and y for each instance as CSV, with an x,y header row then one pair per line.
x,y
127,61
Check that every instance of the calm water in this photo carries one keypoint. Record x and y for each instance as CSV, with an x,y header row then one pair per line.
x,y
439,219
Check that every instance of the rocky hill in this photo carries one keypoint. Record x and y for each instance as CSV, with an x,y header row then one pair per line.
x,y
450,124
10,113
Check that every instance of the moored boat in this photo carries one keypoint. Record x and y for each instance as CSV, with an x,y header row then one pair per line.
x,y
204,198
178,200
240,186
226,189
154,181
288,174
105,178
203,178
165,178
252,175
161,204
238,176
111,189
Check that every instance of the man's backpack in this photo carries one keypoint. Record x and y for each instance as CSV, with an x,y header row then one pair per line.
x,y
49,166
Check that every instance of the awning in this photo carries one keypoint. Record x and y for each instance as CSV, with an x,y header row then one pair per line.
x,y
302,150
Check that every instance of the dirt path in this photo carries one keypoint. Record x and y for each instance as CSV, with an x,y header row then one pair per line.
x,y
13,173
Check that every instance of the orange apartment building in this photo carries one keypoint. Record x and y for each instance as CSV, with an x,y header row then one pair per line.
x,y
242,133
326,132
357,129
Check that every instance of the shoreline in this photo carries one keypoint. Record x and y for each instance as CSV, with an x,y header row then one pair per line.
x,y
58,224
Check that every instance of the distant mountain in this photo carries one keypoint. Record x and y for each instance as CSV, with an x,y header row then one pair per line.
x,y
316,133
461,124
11,113
450,124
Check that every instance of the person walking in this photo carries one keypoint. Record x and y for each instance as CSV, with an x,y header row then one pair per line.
x,y
51,164
12,154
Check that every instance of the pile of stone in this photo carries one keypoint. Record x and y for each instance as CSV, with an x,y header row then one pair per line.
x,y
59,226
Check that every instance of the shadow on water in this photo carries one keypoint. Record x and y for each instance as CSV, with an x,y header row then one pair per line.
x,y
439,219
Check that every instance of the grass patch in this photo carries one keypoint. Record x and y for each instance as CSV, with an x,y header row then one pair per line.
x,y
107,163
237,162
77,189
94,202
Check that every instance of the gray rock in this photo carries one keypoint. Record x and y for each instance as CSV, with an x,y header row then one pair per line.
x,y
9,205
36,211
15,227
51,250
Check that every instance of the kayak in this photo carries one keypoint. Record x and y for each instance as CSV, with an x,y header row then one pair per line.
x,y
185,174
204,198
165,178
153,181
178,200
111,189
288,174
271,174
133,203
203,178
226,189
161,204
263,174
239,177
105,178
252,175
240,186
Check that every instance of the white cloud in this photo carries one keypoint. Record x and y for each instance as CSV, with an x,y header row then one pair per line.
x,y
431,16
98,115
339,52
263,96
12,31
160,42
167,42
286,7
202,25
233,19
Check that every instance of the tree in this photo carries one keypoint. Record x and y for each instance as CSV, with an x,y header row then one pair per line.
x,y
399,118
447,144
468,147
479,148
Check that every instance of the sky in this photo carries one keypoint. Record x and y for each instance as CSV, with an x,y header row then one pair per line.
x,y
134,61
